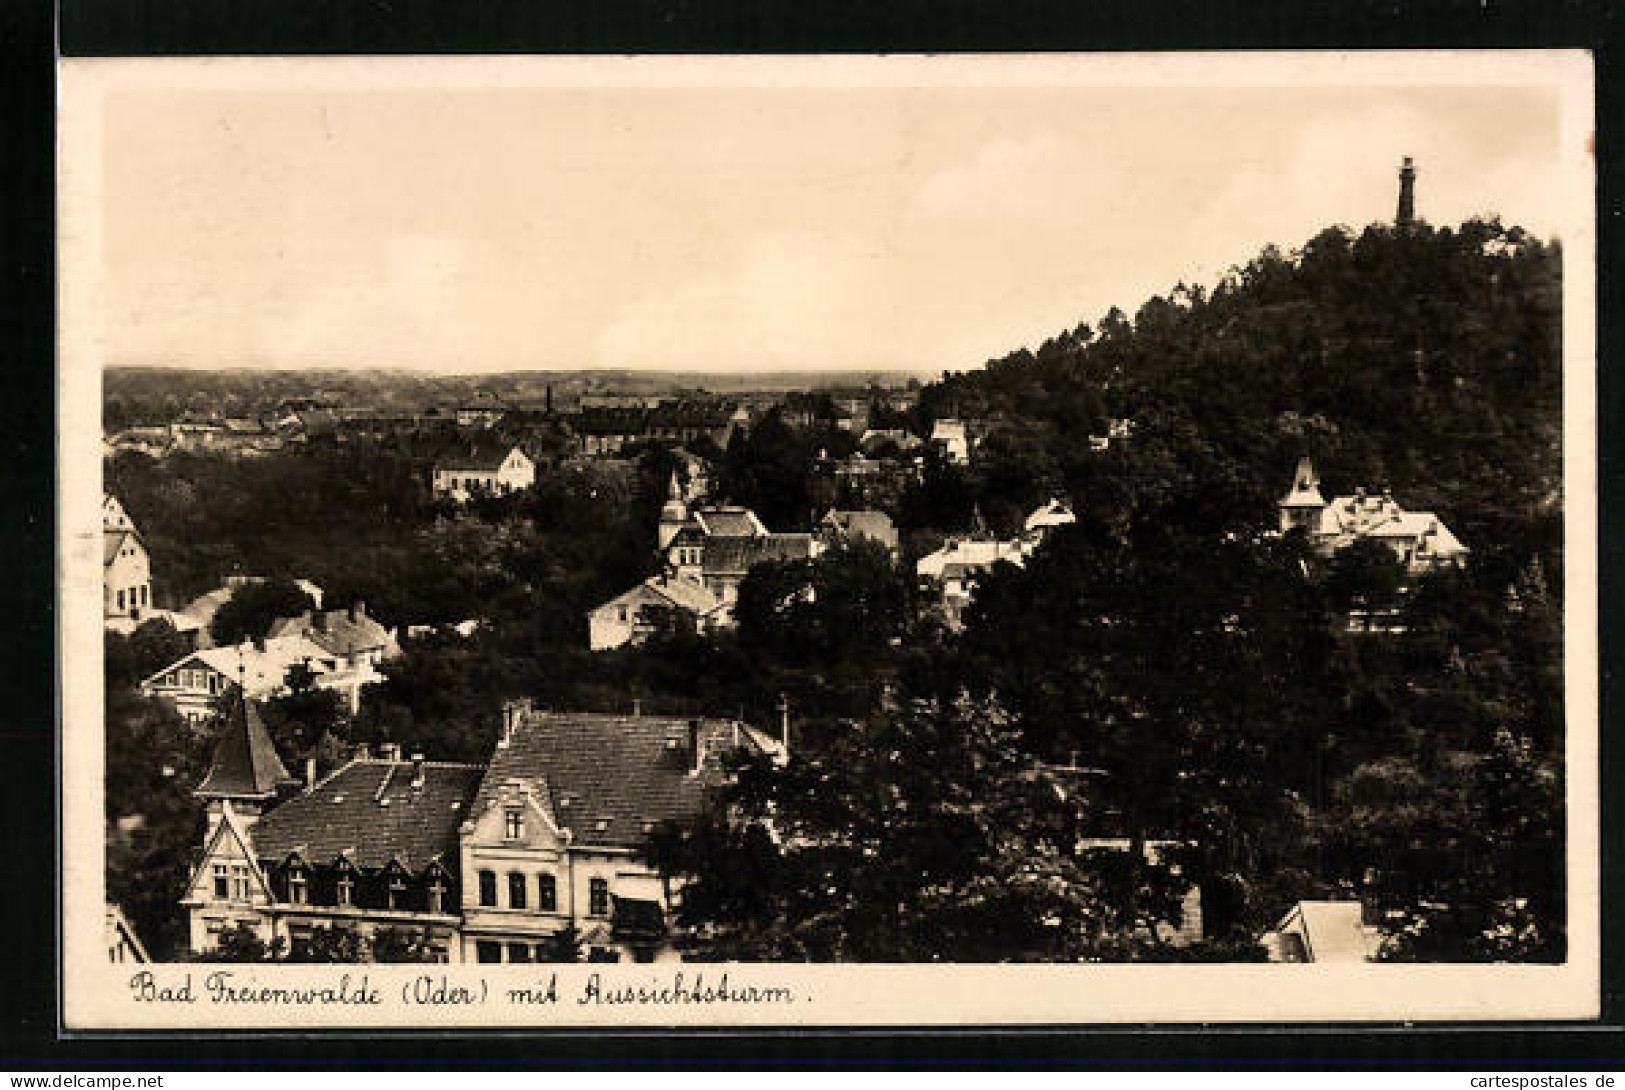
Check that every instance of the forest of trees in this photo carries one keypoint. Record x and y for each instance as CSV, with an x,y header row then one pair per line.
x,y
1166,672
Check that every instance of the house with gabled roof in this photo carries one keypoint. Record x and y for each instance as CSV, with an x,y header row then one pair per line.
x,y
481,862
482,467
371,847
839,527
126,570
553,838
194,682
1419,539
349,635
635,615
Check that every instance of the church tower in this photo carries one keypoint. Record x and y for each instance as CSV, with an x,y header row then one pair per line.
x,y
1303,504
1406,216
673,516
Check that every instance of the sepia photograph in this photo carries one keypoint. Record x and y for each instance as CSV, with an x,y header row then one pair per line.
x,y
815,540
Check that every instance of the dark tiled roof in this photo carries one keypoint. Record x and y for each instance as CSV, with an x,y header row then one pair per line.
x,y
610,779
113,541
728,521
876,525
346,813
245,764
728,555
480,454
340,636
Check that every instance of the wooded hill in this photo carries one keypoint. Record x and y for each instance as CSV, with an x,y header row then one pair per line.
x,y
1425,360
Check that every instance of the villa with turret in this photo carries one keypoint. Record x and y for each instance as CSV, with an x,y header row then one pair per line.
x,y
1419,539
498,862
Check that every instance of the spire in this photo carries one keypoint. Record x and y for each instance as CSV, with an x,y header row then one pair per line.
x,y
245,764
1407,194
1303,503
673,490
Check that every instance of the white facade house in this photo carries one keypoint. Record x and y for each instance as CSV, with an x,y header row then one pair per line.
x,y
195,682
489,863
631,617
126,570
953,569
497,470
1419,539
953,438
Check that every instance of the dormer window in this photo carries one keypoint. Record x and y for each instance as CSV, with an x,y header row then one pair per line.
x,y
514,823
437,895
345,890
298,887
397,891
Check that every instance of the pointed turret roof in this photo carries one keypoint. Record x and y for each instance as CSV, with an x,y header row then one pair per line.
x,y
1305,487
245,764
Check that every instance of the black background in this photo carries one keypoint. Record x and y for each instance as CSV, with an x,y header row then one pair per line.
x,y
30,32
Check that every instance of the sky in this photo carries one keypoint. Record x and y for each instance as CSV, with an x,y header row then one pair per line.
x,y
922,228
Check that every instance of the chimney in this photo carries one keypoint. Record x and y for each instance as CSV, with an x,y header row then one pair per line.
x,y
784,724
310,773
695,755
358,609
512,713
417,771
361,752
390,751
637,708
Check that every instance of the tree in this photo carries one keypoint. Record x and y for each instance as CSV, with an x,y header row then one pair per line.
x,y
239,942
304,715
923,834
402,945
1365,580
562,946
248,613
153,760
333,943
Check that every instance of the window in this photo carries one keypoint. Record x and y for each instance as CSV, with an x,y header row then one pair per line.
x,y
514,828
547,893
489,952
346,890
622,613
239,882
598,897
437,895
516,890
222,886
298,887
121,599
144,595
518,952
488,888
397,891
